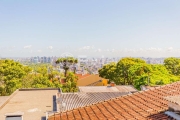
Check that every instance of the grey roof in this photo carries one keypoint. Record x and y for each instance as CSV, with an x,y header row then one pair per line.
x,y
126,88
80,99
118,88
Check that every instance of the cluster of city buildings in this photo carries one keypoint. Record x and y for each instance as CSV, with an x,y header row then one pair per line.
x,y
85,65
83,60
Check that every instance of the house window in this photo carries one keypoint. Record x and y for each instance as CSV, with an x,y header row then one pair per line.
x,y
15,117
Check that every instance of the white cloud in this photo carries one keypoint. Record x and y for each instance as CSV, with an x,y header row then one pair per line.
x,y
107,50
170,49
136,52
39,51
99,50
50,47
140,49
27,47
31,51
132,50
113,50
86,48
154,49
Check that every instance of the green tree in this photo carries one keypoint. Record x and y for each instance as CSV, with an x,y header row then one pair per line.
x,y
67,62
151,74
123,67
71,83
42,70
11,75
45,76
161,75
137,72
109,71
40,81
140,74
14,75
172,65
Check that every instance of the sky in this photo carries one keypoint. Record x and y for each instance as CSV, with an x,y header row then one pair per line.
x,y
111,28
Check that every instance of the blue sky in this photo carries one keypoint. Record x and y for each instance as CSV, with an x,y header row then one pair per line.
x,y
137,28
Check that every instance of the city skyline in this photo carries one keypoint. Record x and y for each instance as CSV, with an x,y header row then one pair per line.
x,y
91,28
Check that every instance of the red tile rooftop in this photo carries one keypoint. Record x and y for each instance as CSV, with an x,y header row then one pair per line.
x,y
143,105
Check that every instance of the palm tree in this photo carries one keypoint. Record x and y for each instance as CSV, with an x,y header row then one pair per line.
x,y
67,62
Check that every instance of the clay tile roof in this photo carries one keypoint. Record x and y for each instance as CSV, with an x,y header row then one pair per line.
x,y
148,104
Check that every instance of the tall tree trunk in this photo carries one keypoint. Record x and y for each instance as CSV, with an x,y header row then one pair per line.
x,y
65,73
74,70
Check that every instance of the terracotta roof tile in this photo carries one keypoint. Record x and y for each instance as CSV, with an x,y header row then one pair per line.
x,y
145,105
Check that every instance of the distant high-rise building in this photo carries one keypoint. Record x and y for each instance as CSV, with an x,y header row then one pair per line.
x,y
35,60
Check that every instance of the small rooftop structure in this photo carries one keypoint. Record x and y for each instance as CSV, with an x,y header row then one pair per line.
x,y
120,88
31,104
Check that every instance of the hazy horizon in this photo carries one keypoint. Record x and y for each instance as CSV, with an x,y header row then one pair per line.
x,y
92,28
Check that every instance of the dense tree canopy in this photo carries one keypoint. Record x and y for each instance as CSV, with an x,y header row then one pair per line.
x,y
11,75
109,72
123,67
14,75
172,65
71,82
128,71
132,71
